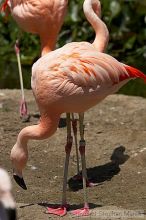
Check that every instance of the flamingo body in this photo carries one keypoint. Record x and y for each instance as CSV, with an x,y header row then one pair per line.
x,y
76,77
30,13
42,17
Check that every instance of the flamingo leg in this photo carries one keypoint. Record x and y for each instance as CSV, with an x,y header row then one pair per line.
x,y
61,211
67,150
85,210
78,177
74,126
23,105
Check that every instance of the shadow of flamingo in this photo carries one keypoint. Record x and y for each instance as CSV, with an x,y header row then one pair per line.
x,y
70,207
106,172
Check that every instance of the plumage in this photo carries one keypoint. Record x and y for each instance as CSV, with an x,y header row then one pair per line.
x,y
76,77
44,18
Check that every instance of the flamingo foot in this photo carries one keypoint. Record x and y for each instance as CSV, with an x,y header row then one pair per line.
x,y
20,181
89,183
23,108
23,111
82,212
59,211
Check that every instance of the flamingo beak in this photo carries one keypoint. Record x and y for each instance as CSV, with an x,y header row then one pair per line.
x,y
20,181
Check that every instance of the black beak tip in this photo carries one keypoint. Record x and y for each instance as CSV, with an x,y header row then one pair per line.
x,y
20,181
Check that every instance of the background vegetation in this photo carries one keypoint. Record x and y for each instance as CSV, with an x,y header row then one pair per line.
x,y
126,21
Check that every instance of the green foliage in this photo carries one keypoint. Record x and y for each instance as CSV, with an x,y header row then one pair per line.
x,y
126,21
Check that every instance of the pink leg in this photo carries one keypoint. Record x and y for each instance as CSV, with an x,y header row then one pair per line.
x,y
23,108
85,210
74,127
78,177
62,210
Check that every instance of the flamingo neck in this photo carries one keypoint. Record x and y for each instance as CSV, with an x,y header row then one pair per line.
x,y
29,133
47,43
92,12
19,154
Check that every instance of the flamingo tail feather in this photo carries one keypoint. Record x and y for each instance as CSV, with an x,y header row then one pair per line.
x,y
135,73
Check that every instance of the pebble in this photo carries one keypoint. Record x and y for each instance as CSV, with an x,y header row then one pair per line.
x,y
112,108
135,154
100,112
33,168
142,150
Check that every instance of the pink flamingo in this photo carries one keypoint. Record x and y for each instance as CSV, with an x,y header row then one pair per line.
x,y
34,17
30,17
25,21
70,79
44,18
24,12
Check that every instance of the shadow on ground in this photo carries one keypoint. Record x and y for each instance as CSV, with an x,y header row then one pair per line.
x,y
70,208
100,174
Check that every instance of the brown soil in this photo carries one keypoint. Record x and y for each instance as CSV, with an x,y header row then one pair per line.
x,y
116,157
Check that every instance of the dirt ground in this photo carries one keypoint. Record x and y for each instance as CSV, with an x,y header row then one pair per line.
x,y
115,133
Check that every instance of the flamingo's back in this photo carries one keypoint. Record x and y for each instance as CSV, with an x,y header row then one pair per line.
x,y
37,16
76,77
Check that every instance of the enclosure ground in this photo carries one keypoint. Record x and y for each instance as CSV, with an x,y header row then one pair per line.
x,y
115,133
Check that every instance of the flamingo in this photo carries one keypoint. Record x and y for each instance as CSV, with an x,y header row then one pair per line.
x,y
35,16
27,15
73,78
23,105
24,12
7,204
44,18
25,21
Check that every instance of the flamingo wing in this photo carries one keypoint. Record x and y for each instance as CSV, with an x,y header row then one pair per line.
x,y
78,71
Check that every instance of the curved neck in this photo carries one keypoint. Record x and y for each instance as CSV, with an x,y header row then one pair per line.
x,y
46,127
19,153
92,12
48,43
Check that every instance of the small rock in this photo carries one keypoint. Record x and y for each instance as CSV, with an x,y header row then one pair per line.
x,y
100,112
33,168
142,150
112,108
134,155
